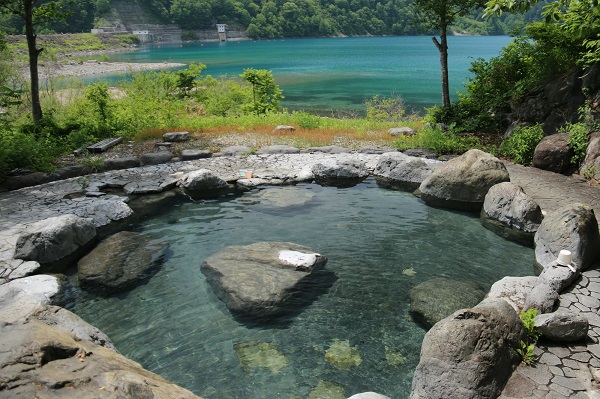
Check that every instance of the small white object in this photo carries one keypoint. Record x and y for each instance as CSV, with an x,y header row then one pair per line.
x,y
564,258
298,259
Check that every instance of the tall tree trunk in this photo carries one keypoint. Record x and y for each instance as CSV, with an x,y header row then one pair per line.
x,y
34,52
443,49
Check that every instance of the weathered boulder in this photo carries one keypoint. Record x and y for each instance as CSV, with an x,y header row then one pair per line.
x,y
542,297
328,149
469,355
438,298
463,182
400,171
39,361
156,158
65,320
513,290
172,137
22,297
70,171
262,278
25,180
510,213
236,151
54,239
202,180
189,155
284,129
573,227
120,262
278,149
121,163
591,164
562,326
401,131
554,154
342,173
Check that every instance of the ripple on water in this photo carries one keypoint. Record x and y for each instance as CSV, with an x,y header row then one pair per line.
x,y
175,326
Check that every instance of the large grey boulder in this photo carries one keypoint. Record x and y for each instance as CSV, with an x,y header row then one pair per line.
x,y
120,262
189,155
554,154
398,170
463,182
172,137
340,172
591,164
573,227
562,326
40,361
278,149
65,320
469,355
401,131
543,296
121,163
514,290
54,239
156,158
261,279
284,129
202,180
438,298
22,297
510,213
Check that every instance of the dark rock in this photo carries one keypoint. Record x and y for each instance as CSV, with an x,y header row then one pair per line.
x,y
28,180
156,158
121,163
421,153
64,320
591,164
284,129
463,182
255,280
53,239
120,262
400,171
562,326
236,151
202,180
554,154
375,150
176,136
189,155
340,173
402,131
573,227
40,361
329,149
70,171
438,298
469,355
278,149
511,213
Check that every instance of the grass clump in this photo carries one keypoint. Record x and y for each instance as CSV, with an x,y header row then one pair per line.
x,y
520,146
439,141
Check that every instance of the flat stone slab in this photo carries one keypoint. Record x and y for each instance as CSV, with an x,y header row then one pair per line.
x,y
260,279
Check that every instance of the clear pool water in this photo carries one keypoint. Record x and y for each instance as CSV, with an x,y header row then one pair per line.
x,y
176,327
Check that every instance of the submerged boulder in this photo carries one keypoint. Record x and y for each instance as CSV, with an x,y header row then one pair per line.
x,y
470,354
398,170
510,213
438,298
463,182
261,279
120,262
54,239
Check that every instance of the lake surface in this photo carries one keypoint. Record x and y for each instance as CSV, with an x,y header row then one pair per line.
x,y
337,73
380,243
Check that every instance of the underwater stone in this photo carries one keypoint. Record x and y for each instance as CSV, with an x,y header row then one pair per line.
x,y
342,355
257,355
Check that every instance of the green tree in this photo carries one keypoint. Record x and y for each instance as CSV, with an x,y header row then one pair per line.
x,y
439,15
265,93
33,13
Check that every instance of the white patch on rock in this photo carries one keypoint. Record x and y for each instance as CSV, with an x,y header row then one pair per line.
x,y
20,298
300,260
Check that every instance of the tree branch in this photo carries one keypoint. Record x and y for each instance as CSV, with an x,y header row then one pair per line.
x,y
437,44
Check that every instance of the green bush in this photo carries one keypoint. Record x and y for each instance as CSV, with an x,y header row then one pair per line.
x,y
578,138
306,120
385,109
438,141
521,144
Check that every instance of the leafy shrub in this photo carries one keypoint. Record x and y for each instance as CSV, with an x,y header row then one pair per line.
x,y
265,93
521,144
306,120
385,109
27,151
578,138
438,141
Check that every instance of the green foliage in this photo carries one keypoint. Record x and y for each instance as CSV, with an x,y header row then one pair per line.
x,y
521,144
26,150
439,141
222,97
578,139
527,353
526,349
265,93
187,78
385,109
306,120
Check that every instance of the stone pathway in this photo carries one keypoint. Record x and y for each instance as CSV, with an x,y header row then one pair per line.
x,y
562,371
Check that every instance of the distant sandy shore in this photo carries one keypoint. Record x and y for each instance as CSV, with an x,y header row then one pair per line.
x,y
94,68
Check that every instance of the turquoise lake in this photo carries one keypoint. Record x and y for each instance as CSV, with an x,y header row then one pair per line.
x,y
337,73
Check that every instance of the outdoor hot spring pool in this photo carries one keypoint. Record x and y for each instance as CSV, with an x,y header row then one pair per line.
x,y
380,243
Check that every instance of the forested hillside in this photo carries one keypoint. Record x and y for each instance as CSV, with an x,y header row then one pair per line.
x,y
270,18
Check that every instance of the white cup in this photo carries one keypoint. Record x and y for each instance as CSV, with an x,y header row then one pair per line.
x,y
564,258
